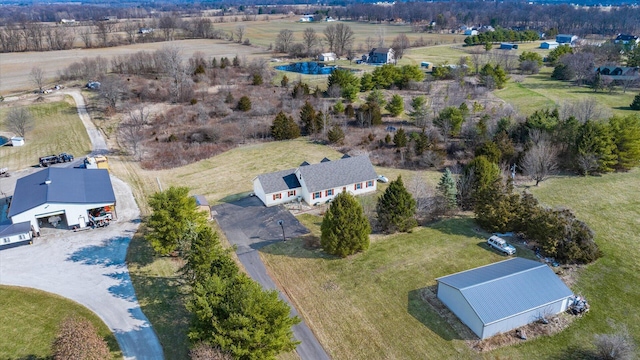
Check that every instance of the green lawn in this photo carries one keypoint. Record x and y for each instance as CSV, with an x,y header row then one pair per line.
x,y
29,322
541,91
57,128
367,306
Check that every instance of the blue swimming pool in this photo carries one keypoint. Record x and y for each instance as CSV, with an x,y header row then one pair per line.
x,y
309,68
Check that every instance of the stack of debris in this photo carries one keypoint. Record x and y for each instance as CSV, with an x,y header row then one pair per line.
x,y
578,305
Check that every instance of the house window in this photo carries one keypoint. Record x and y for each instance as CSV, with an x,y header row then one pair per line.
x,y
277,196
317,195
357,186
291,193
370,183
22,236
329,192
6,240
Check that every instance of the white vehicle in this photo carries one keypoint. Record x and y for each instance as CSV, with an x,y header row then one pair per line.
x,y
383,179
499,244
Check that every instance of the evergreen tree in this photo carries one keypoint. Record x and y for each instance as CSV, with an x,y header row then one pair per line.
x,y
376,97
349,92
349,112
450,118
635,105
626,137
396,208
229,98
244,104
448,190
396,106
338,108
345,229
343,78
490,150
420,110
595,140
284,82
206,256
400,138
335,134
482,173
421,143
236,61
366,82
241,318
464,109
308,118
173,210
256,79
284,128
597,83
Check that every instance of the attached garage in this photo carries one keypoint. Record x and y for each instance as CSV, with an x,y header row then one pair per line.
x,y
500,297
62,198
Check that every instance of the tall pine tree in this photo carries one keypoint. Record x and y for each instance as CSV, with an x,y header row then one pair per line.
x,y
284,128
448,190
396,208
345,229
308,119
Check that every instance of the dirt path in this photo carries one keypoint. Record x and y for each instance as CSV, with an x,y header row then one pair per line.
x,y
98,144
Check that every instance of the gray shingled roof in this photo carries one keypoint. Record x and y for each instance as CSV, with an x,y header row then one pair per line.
x,y
68,186
333,174
381,50
279,181
507,288
15,229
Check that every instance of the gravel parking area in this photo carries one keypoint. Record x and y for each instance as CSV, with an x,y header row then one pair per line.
x,y
89,267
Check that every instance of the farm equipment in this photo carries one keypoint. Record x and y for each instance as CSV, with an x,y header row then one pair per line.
x,y
46,161
100,218
96,162
4,172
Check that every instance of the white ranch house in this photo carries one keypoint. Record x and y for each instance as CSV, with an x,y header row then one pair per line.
x,y
67,193
317,183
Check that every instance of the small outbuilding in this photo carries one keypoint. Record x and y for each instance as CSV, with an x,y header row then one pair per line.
x,y
566,39
549,45
327,57
17,141
508,46
503,296
12,235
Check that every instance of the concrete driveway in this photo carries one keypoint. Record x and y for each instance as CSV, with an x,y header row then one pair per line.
x,y
89,267
249,225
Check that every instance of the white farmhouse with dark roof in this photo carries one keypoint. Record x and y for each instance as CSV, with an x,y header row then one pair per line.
x,y
381,55
500,297
317,183
73,195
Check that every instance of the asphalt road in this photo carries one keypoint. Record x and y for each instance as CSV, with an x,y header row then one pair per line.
x,y
250,226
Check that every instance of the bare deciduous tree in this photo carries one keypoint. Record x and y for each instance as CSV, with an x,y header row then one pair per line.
x,y
344,39
111,88
204,351
37,77
132,128
583,110
19,120
618,346
131,28
330,37
240,31
399,45
540,162
587,163
284,40
310,38
86,35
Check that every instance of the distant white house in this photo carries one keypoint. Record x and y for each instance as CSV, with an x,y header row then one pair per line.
x,y
381,56
327,57
67,21
549,45
317,183
17,141
306,18
145,31
329,19
626,39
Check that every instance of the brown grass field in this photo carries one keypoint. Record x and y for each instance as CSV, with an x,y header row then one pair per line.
x,y
15,67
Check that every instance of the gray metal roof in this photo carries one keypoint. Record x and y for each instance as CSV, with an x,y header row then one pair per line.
x,y
507,288
66,186
380,50
333,174
15,229
279,181
201,200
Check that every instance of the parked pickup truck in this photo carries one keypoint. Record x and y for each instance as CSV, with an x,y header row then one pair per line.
x,y
45,161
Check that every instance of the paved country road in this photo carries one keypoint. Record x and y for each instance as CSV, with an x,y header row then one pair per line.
x,y
250,225
89,266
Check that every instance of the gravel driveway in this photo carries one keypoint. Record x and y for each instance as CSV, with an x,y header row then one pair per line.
x,y
89,267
